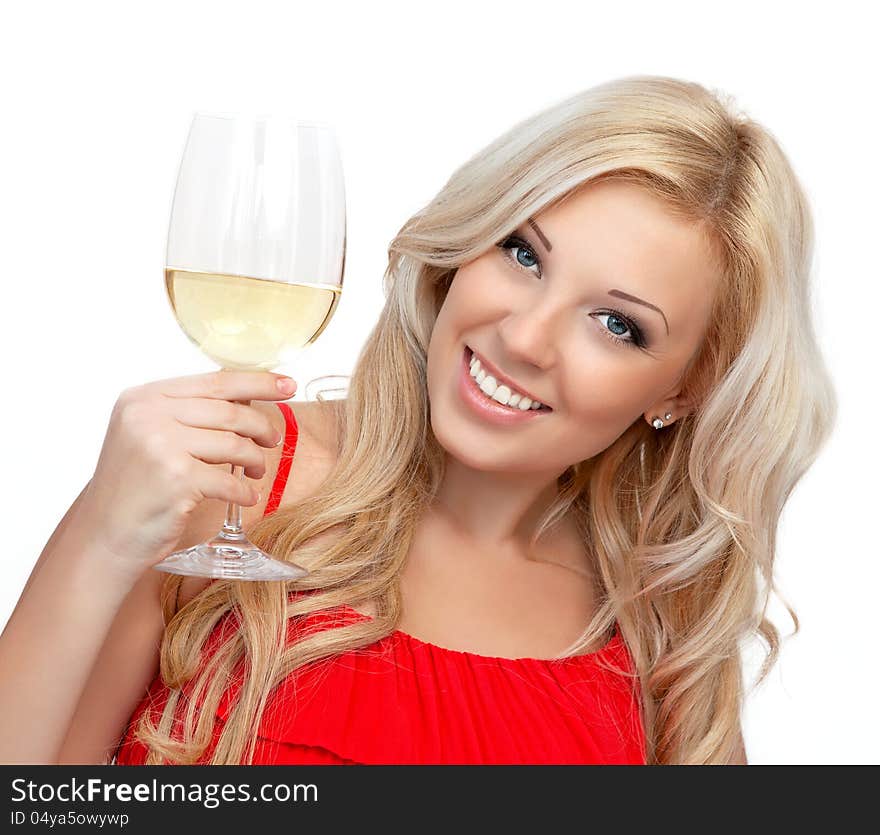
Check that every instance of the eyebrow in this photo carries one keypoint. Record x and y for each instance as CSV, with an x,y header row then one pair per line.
x,y
547,245
619,293
637,300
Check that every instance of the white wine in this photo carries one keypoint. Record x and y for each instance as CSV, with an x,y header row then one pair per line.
x,y
249,324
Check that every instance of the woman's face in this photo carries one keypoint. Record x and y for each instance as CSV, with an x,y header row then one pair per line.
x,y
554,310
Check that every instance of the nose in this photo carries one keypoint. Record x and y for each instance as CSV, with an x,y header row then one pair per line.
x,y
532,333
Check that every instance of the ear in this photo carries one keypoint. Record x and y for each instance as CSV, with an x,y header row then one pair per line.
x,y
675,407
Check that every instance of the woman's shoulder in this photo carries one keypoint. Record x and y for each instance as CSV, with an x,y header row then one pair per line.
x,y
317,424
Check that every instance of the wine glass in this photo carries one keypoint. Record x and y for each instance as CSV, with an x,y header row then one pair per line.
x,y
332,387
254,268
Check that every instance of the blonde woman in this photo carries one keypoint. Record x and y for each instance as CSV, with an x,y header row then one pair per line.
x,y
540,524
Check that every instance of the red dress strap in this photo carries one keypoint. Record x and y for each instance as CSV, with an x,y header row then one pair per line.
x,y
291,433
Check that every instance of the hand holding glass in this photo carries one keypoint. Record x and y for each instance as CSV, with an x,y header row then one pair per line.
x,y
254,269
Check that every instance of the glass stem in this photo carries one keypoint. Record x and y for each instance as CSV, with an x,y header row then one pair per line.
x,y
232,526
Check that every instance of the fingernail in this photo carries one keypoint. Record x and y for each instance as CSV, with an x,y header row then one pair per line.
x,y
286,385
280,439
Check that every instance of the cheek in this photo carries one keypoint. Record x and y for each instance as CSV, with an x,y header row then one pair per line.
x,y
478,286
472,299
608,388
451,318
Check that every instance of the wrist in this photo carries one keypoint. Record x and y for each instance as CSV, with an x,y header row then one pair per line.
x,y
100,557
85,545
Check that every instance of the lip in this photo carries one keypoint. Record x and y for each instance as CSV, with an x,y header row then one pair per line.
x,y
485,407
491,369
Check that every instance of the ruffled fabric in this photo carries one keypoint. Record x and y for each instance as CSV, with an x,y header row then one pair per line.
x,y
404,701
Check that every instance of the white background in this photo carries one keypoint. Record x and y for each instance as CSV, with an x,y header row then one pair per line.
x,y
97,99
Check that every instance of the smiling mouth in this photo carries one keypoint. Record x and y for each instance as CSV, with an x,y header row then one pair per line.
x,y
543,408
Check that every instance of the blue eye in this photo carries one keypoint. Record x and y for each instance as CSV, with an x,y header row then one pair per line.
x,y
512,242
619,321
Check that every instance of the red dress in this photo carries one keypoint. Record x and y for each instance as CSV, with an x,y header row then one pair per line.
x,y
405,701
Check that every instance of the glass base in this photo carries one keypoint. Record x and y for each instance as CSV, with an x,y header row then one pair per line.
x,y
230,557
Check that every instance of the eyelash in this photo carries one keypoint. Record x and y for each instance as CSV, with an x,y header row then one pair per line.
x,y
638,340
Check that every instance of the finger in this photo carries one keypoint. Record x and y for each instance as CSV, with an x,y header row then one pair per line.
x,y
214,483
244,420
222,447
228,385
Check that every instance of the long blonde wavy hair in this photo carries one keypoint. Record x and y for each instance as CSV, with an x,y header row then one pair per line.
x,y
680,524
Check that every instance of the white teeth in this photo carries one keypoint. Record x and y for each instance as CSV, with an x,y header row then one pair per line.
x,y
488,384
502,393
